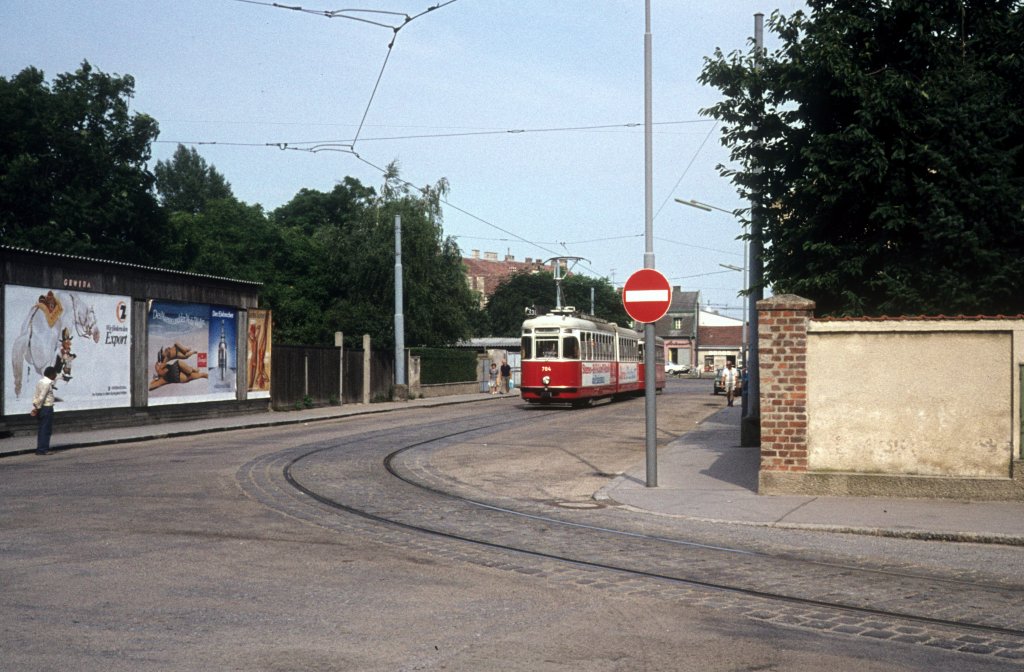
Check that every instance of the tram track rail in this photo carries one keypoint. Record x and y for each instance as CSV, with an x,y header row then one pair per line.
x,y
926,620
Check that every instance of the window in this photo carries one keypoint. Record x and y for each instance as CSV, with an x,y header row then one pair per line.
x,y
547,347
527,347
588,345
570,348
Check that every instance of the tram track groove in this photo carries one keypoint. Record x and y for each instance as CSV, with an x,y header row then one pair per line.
x,y
439,517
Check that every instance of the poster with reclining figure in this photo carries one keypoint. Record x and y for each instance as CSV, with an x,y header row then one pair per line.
x,y
86,336
192,352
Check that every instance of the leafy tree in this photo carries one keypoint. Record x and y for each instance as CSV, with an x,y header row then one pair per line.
x,y
607,301
321,232
186,183
506,308
882,143
348,279
73,172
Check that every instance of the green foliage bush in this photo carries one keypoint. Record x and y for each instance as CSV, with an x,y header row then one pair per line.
x,y
442,365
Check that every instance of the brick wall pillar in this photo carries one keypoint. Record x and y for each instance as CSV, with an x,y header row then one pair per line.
x,y
782,343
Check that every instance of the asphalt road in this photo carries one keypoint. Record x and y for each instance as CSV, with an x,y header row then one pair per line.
x,y
199,554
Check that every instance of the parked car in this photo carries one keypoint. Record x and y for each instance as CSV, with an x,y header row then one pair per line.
x,y
673,369
720,382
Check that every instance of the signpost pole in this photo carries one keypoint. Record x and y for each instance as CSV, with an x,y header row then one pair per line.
x,y
650,408
647,296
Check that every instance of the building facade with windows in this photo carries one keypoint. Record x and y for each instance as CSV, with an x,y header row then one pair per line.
x,y
720,340
679,328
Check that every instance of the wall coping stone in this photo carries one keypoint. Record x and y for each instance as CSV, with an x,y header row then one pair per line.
x,y
786,302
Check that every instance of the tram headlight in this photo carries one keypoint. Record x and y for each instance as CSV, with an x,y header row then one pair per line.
x,y
546,380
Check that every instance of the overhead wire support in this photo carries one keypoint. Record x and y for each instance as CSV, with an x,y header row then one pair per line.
x,y
348,147
346,14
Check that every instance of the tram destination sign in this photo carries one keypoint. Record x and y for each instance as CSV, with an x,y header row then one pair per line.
x,y
647,295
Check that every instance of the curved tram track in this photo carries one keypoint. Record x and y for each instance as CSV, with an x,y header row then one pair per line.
x,y
385,497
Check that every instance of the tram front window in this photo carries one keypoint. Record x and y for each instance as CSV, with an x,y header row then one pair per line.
x,y
527,347
570,348
547,348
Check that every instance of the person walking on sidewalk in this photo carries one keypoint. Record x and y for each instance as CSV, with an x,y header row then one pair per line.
x,y
42,408
492,382
729,380
506,375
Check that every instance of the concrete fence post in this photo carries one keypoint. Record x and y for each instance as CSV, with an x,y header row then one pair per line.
x,y
366,368
782,340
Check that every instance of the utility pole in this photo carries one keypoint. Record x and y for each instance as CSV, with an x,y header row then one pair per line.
x,y
399,315
750,427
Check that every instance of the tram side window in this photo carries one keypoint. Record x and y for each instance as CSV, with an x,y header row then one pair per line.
x,y
570,348
527,347
627,350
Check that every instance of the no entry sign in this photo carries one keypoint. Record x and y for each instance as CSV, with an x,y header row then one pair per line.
x,y
647,295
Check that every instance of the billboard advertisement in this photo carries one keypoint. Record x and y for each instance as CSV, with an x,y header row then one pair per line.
x,y
85,336
192,352
260,342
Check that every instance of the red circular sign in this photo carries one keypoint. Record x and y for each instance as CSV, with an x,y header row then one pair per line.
x,y
647,295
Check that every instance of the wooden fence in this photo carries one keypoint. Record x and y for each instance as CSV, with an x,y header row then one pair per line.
x,y
304,374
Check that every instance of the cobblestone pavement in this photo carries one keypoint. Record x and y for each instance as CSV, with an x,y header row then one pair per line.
x,y
608,549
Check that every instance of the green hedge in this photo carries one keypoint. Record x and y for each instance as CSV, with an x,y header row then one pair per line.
x,y
439,365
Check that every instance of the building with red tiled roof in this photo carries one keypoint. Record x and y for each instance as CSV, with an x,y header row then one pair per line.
x,y
485,274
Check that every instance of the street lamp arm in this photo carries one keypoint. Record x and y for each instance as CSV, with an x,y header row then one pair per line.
x,y
693,203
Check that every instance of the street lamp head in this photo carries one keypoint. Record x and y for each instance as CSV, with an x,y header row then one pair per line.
x,y
695,204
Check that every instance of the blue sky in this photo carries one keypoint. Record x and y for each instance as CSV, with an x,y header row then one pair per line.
x,y
245,75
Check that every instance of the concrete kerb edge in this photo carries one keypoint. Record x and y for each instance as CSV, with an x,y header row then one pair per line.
x,y
914,535
59,448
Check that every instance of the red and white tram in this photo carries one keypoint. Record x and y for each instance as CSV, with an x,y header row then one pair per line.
x,y
573,359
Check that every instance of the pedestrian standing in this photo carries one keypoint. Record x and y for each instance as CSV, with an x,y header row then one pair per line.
x,y
493,379
42,408
506,375
729,379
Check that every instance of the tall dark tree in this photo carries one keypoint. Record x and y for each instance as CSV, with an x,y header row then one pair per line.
x,y
883,142
506,308
73,174
186,183
347,282
576,289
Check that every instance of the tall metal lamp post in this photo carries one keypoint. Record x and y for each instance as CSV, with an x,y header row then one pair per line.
x,y
750,434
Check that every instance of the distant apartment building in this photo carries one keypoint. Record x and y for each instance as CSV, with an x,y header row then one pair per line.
x,y
679,328
484,274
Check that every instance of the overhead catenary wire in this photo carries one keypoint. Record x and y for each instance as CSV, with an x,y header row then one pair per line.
x,y
324,145
379,18
348,14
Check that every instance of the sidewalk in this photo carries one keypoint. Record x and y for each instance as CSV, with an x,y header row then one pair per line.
x,y
98,437
706,475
